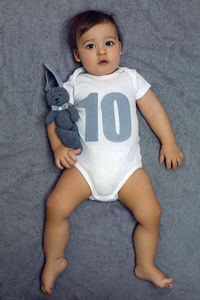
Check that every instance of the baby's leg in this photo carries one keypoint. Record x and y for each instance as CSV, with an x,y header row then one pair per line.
x,y
138,195
70,191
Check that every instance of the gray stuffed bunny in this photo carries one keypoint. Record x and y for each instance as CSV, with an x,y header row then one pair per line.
x,y
64,114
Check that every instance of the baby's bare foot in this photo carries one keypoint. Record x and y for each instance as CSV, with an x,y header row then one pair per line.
x,y
51,271
154,275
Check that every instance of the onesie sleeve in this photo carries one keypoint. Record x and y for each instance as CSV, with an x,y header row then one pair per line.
x,y
68,85
140,85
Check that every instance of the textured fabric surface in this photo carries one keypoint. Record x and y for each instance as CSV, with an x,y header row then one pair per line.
x,y
161,41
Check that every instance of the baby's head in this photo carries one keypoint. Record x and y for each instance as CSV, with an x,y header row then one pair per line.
x,y
95,41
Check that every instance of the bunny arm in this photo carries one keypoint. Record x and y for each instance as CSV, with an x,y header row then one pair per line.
x,y
73,113
69,138
50,117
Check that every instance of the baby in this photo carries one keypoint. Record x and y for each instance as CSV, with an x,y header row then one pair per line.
x,y
109,166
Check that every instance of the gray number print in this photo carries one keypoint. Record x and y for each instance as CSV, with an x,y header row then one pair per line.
x,y
116,117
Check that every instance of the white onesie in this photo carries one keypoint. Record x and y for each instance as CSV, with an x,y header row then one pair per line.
x,y
108,127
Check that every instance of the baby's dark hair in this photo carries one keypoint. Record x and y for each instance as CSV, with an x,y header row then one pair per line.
x,y
83,21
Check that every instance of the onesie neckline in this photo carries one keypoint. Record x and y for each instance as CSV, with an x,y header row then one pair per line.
x,y
103,77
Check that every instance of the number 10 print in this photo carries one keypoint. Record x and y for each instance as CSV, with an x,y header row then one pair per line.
x,y
116,117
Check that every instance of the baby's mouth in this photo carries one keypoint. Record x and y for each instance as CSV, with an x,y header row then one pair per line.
x,y
103,62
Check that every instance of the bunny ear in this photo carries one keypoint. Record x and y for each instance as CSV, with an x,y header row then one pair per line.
x,y
52,78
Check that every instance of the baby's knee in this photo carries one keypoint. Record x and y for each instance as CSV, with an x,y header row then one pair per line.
x,y
154,218
151,218
56,208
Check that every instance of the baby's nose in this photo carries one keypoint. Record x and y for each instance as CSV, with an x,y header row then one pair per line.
x,y
101,51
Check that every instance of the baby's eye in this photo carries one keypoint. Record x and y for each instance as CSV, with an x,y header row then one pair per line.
x,y
90,46
109,43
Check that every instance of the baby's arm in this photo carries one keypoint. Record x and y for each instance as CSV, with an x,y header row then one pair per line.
x,y
158,120
64,157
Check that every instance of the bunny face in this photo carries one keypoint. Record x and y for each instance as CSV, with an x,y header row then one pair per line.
x,y
57,96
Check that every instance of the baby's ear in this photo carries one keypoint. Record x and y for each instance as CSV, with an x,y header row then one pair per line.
x,y
52,78
120,48
76,55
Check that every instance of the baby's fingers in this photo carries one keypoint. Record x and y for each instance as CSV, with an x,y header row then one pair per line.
x,y
70,159
181,156
174,164
180,159
161,158
168,164
66,158
68,162
77,151
58,164
65,162
177,162
72,156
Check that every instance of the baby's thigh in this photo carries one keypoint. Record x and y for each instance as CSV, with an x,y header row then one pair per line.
x,y
70,190
138,195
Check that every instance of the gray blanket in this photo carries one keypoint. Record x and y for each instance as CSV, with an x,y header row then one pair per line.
x,y
161,41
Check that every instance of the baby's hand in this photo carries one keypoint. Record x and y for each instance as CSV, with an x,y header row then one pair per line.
x,y
65,157
172,155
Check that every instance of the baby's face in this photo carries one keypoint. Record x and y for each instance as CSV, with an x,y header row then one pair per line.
x,y
99,49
